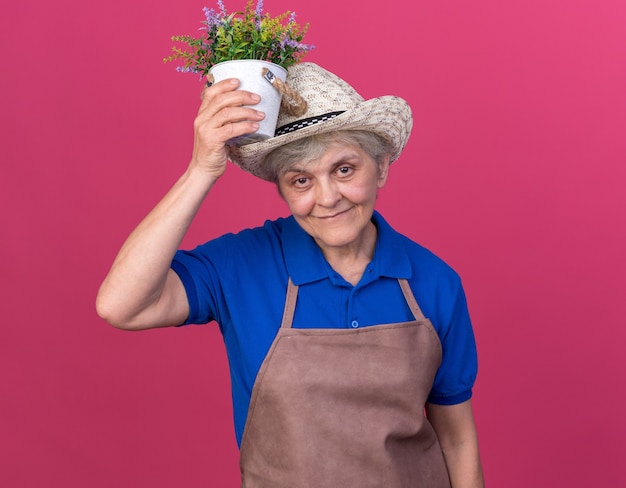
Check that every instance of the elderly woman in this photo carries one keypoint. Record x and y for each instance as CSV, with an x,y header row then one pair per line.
x,y
351,351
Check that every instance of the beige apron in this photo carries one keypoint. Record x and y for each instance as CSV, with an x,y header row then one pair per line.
x,y
345,407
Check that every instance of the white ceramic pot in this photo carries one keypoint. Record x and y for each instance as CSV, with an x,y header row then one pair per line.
x,y
249,74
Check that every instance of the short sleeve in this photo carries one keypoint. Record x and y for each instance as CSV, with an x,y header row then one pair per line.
x,y
201,281
214,272
459,365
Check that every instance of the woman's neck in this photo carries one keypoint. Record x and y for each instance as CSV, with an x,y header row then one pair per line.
x,y
351,261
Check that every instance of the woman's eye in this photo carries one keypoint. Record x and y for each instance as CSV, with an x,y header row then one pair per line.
x,y
301,181
344,170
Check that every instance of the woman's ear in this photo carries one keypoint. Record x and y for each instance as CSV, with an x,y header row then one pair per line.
x,y
383,170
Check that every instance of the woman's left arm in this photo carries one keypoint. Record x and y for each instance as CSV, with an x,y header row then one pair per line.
x,y
455,428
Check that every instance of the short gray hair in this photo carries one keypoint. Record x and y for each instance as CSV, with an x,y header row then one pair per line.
x,y
280,159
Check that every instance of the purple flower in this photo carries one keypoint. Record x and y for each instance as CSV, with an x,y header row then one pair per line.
x,y
292,18
212,18
220,4
259,8
295,45
186,69
257,14
286,42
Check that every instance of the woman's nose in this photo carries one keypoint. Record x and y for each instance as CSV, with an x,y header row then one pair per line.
x,y
328,195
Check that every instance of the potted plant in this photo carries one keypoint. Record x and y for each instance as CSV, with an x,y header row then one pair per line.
x,y
252,46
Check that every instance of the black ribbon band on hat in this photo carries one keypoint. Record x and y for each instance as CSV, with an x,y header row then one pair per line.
x,y
302,123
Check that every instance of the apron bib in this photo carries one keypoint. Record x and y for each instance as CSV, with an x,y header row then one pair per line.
x,y
345,407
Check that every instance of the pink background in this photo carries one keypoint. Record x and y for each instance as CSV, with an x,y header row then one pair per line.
x,y
515,174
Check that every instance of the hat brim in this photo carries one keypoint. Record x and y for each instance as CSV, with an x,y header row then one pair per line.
x,y
388,116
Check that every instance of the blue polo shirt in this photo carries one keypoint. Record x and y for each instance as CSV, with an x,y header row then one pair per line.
x,y
240,282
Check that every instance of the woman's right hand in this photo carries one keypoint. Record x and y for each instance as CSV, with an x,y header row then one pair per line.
x,y
223,114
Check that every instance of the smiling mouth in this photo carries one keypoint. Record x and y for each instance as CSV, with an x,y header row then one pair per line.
x,y
329,217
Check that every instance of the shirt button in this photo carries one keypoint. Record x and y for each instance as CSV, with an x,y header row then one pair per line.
x,y
354,324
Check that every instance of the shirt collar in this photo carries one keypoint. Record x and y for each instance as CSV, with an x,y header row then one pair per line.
x,y
303,258
305,261
390,255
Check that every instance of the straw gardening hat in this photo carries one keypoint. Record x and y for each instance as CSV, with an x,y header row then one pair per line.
x,y
331,105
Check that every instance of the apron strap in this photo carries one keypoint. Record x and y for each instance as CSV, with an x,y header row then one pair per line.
x,y
290,305
410,300
292,295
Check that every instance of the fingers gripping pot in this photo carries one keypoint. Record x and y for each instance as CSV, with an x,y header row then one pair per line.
x,y
266,80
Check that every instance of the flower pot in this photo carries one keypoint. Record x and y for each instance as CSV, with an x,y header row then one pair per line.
x,y
249,74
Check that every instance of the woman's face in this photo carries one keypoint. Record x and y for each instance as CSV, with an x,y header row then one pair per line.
x,y
333,197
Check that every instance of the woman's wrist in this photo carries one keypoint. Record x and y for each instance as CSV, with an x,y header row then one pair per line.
x,y
199,178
